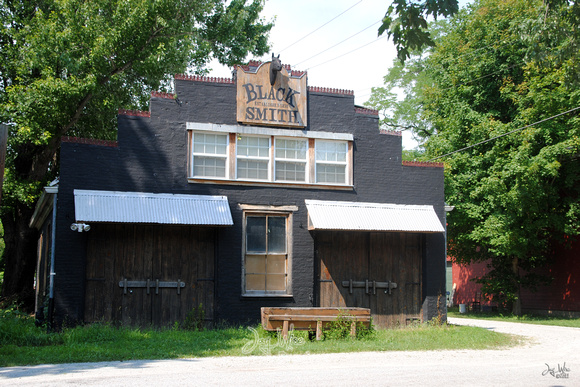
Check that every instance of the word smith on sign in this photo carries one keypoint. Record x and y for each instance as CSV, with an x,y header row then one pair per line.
x,y
261,103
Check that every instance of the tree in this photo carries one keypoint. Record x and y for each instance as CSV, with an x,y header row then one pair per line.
x,y
516,195
406,22
408,80
66,66
501,66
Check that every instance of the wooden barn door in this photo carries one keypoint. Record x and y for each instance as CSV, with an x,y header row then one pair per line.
x,y
148,274
356,268
342,256
398,257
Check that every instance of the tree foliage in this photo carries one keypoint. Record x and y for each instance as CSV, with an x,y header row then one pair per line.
x,y
400,100
67,66
406,22
500,66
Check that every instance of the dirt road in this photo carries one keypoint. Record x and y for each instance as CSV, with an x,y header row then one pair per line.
x,y
551,356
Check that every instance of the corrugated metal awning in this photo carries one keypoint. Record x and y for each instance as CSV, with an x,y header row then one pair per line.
x,y
330,215
140,207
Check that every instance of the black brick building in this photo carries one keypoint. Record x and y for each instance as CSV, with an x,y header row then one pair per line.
x,y
192,208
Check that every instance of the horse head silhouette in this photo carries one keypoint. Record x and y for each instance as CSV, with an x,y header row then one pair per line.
x,y
275,68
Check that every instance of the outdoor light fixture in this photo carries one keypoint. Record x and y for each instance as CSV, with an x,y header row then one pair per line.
x,y
80,227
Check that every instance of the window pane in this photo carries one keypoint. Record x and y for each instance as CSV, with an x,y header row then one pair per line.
x,y
256,282
322,150
256,234
277,264
253,146
288,171
331,151
209,166
215,144
256,264
198,147
330,173
255,170
276,234
291,149
276,282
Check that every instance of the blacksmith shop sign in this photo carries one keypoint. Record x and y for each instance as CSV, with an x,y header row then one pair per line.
x,y
271,96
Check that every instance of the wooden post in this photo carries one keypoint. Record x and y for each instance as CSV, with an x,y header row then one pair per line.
x,y
319,330
285,330
353,328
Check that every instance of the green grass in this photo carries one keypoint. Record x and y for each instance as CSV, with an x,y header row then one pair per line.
x,y
21,343
526,318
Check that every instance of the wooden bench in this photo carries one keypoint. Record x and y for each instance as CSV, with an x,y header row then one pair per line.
x,y
312,319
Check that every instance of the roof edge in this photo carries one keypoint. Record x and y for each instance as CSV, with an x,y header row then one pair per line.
x,y
89,141
43,207
423,164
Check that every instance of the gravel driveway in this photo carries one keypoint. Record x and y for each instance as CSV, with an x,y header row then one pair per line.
x,y
550,357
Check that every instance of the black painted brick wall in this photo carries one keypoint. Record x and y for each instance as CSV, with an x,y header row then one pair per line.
x,y
152,156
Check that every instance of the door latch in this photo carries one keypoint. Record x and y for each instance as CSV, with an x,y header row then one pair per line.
x,y
370,286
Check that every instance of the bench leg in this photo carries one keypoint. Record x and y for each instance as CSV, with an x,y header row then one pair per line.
x,y
319,330
353,329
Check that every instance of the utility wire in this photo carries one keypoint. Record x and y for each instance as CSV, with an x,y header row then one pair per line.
x,y
310,33
482,77
342,41
346,53
505,134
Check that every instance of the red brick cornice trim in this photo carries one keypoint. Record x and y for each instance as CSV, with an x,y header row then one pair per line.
x,y
89,141
391,132
134,113
246,68
328,90
160,94
370,112
199,78
256,64
423,164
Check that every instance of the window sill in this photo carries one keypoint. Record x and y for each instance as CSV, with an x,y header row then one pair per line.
x,y
267,296
271,184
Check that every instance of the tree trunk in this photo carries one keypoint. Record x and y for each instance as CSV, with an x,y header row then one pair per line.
x,y
19,257
517,304
21,242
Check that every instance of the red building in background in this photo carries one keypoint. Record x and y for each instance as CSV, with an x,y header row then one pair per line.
x,y
561,297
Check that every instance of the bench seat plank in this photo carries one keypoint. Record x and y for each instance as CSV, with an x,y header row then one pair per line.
x,y
281,317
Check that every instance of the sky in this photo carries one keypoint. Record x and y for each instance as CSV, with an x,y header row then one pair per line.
x,y
335,41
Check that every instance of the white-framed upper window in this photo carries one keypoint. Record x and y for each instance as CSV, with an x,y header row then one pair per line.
x,y
331,162
290,158
253,158
210,154
250,155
